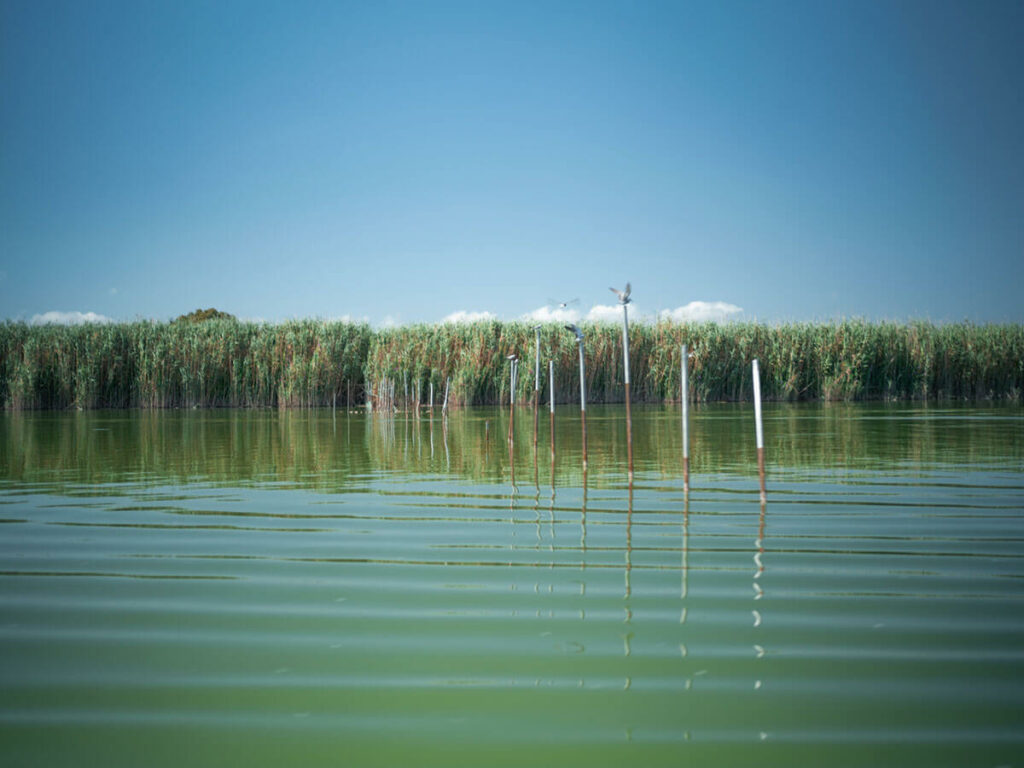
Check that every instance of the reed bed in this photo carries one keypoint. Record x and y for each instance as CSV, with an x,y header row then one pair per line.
x,y
313,364
180,365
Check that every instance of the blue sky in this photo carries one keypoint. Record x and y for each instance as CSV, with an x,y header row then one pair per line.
x,y
401,162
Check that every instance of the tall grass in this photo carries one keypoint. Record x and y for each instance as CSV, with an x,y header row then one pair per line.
x,y
312,363
168,365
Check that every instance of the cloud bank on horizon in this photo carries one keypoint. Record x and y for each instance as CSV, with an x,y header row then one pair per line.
x,y
694,312
702,311
464,316
55,317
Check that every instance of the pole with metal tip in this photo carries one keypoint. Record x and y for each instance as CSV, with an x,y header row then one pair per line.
x,y
759,431
685,387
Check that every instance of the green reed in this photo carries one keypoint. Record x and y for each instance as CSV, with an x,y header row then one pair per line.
x,y
838,361
170,365
313,363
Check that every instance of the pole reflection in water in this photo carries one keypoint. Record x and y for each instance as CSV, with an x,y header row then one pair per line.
x,y
536,497
583,523
444,435
536,466
684,587
512,459
627,636
758,589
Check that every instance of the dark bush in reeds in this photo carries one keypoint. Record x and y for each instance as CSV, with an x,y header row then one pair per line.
x,y
313,363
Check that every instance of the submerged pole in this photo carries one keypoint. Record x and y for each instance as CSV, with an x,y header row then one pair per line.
x,y
759,431
685,387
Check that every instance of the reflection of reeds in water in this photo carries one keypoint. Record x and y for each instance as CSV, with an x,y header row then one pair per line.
x,y
312,363
319,450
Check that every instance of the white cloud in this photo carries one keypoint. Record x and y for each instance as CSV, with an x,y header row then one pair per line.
x,y
69,318
462,316
549,315
701,311
607,313
389,321
346,318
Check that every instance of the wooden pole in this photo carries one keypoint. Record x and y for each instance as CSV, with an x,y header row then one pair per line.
x,y
759,431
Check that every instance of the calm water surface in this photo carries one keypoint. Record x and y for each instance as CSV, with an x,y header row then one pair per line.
x,y
318,588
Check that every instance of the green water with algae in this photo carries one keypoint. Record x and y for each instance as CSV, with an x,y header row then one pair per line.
x,y
321,588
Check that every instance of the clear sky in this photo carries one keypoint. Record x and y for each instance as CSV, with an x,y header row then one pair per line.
x,y
400,162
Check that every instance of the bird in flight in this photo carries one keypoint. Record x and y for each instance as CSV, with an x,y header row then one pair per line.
x,y
623,295
562,304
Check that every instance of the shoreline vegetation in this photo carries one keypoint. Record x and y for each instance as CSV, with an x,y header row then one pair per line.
x,y
313,363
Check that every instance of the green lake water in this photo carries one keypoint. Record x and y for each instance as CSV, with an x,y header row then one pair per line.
x,y
302,588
